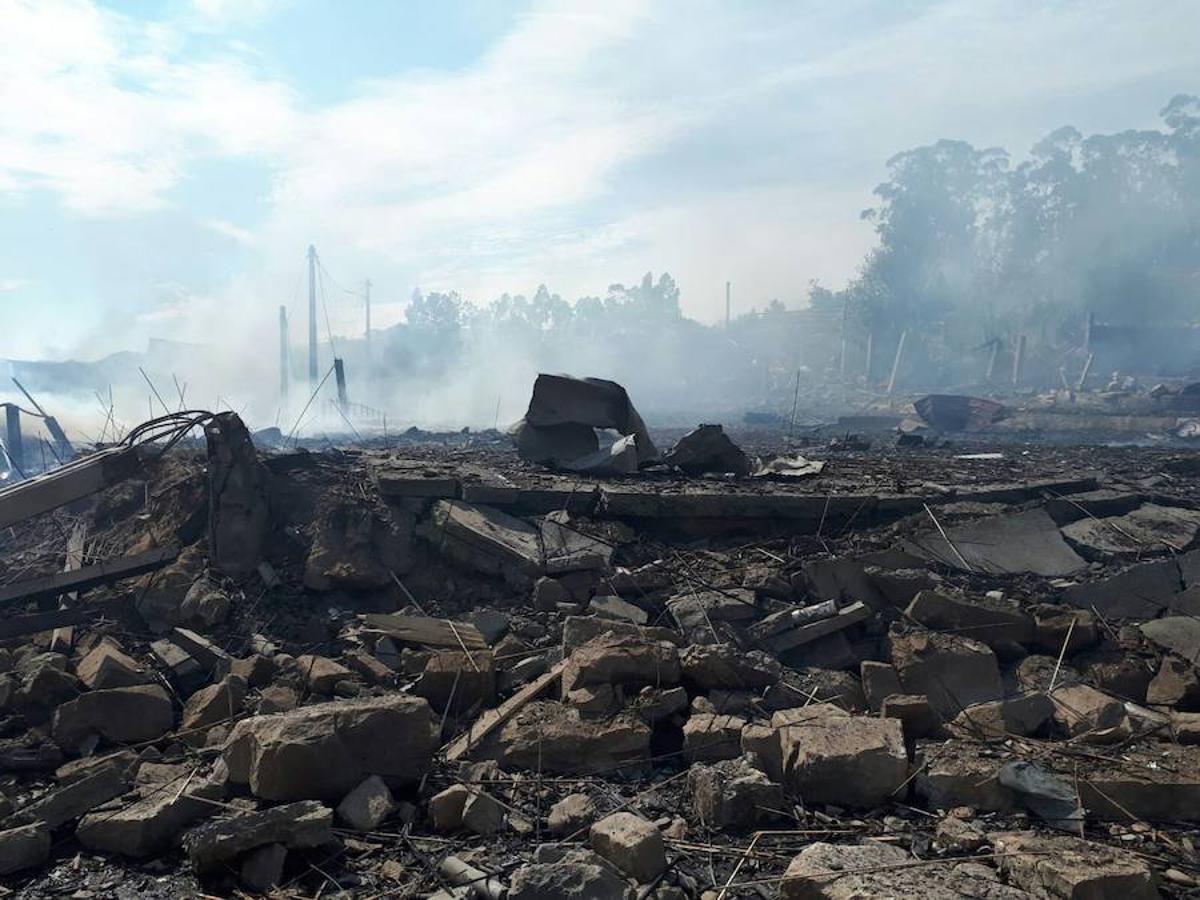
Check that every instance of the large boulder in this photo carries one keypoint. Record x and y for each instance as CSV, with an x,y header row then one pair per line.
x,y
320,752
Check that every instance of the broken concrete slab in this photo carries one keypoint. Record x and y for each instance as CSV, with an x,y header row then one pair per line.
x,y
1027,542
239,496
985,620
1175,684
723,666
1068,867
357,548
1082,711
576,874
1139,592
632,844
1179,634
487,540
829,756
107,666
294,825
1023,715
567,547
552,737
824,871
709,737
103,782
121,715
623,660
732,794
454,679
1150,528
150,824
322,751
570,814
953,672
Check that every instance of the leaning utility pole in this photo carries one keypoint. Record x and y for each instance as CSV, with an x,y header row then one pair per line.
x,y
284,368
312,317
367,298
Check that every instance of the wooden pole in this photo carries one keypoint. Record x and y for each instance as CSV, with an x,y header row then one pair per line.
x,y
896,362
1087,368
991,369
870,354
1018,360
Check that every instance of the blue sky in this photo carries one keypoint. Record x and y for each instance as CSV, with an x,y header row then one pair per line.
x,y
163,165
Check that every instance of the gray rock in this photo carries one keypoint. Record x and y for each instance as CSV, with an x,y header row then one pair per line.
x,y
262,869
365,807
23,847
570,814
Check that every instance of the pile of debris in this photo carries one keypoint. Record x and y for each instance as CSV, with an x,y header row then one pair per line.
x,y
455,675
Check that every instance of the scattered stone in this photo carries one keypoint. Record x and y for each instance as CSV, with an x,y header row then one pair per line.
x,y
709,737
446,807
482,814
149,825
205,605
107,666
1024,715
613,607
492,625
570,814
849,872
576,874
256,669
1082,710
914,712
1176,684
24,847
321,674
553,737
622,660
733,794
471,680
104,781
365,807
632,844
216,703
262,869
879,681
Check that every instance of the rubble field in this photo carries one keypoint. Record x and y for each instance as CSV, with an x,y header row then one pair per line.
x,y
431,667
